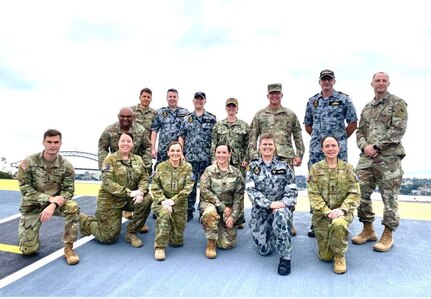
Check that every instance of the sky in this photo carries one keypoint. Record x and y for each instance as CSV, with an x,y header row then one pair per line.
x,y
71,65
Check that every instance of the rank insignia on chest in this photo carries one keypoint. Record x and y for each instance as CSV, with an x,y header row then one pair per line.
x,y
256,170
190,120
335,103
315,103
165,114
278,171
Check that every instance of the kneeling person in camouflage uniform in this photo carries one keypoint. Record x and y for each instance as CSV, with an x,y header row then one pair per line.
x,y
172,183
47,184
271,189
221,199
124,187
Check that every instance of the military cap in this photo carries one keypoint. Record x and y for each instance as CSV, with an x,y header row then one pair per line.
x,y
200,94
327,73
274,87
232,101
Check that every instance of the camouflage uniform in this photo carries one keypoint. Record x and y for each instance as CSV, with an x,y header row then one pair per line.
x,y
326,117
196,132
282,124
108,142
329,189
266,183
119,178
383,123
236,135
144,117
219,190
167,124
38,181
171,183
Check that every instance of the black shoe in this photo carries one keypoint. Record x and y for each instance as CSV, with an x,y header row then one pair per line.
x,y
311,232
154,216
189,215
284,267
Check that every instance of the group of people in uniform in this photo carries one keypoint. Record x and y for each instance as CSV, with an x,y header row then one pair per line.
x,y
229,158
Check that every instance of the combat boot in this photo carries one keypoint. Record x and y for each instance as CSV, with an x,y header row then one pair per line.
x,y
366,235
133,239
159,254
71,257
385,243
144,229
293,231
284,267
127,214
210,252
240,226
340,265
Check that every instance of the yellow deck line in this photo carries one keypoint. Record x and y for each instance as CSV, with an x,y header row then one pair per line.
x,y
10,248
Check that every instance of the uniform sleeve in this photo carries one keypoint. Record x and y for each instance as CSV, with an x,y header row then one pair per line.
x,y
214,141
350,111
398,126
68,182
308,117
361,141
108,180
143,179
29,193
297,137
146,147
190,181
246,142
252,140
353,194
206,194
256,197
317,202
156,188
290,190
155,125
238,197
103,148
183,129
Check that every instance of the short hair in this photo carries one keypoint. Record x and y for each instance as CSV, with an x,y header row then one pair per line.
x,y
173,143
266,136
128,134
223,143
172,90
387,76
51,133
147,90
329,136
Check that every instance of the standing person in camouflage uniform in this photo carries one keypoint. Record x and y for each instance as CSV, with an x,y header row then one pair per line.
x,y
195,136
382,125
124,187
283,124
167,125
47,184
333,191
143,115
172,182
270,186
235,132
326,114
221,201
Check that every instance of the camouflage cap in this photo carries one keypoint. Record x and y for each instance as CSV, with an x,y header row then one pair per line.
x,y
274,87
232,101
327,73
200,94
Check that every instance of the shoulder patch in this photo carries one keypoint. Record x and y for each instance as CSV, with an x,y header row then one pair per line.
x,y
256,170
315,103
400,111
23,165
190,120
107,167
165,113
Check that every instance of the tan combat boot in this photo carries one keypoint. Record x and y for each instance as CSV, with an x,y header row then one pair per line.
x,y
159,254
144,229
133,239
71,257
210,252
385,243
340,265
127,214
366,235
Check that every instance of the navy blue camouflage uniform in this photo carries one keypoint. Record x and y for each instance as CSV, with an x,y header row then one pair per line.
x,y
197,132
266,183
327,117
